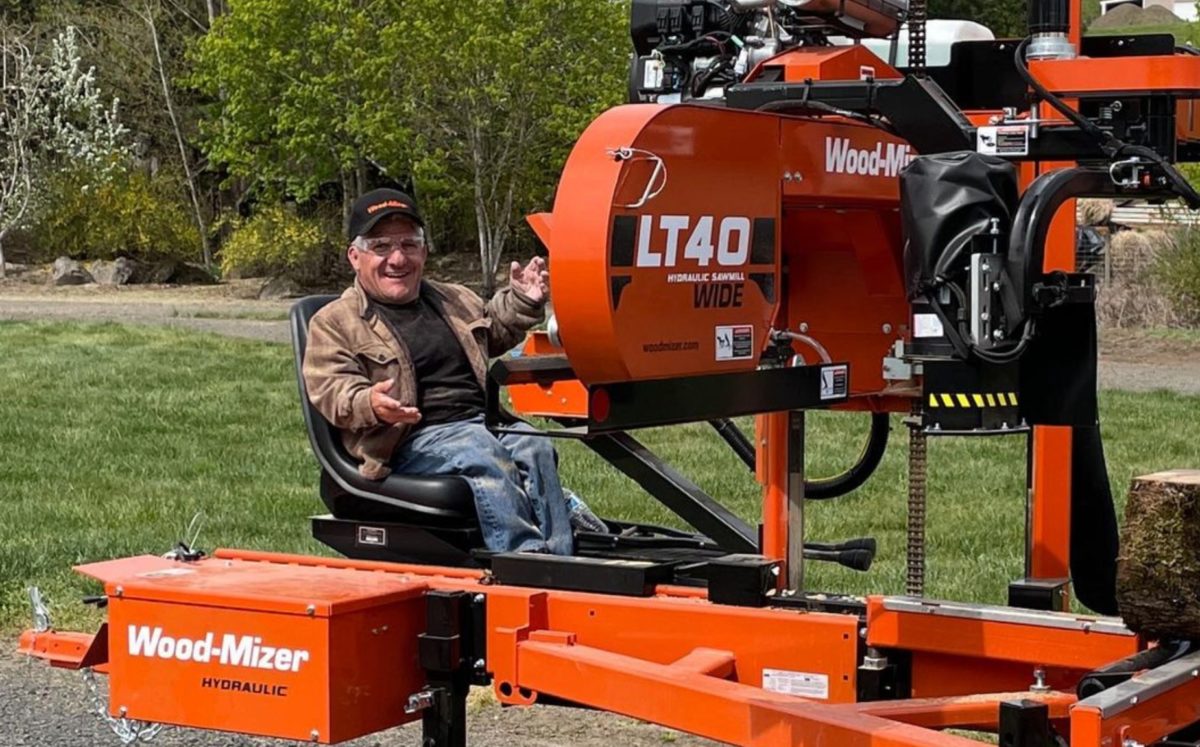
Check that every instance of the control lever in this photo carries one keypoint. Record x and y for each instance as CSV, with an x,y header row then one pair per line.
x,y
856,554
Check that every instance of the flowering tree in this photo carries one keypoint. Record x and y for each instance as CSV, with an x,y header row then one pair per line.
x,y
16,126
49,109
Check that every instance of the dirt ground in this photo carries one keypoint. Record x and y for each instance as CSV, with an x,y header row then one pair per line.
x,y
44,707
1129,360
229,308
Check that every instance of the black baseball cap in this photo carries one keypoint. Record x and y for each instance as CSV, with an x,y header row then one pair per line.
x,y
378,204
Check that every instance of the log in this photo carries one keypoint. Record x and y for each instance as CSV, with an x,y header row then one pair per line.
x,y
1158,569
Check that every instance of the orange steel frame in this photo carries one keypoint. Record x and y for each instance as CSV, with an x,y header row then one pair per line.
x,y
677,659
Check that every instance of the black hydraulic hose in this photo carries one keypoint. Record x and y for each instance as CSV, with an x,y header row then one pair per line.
x,y
833,487
868,461
1122,670
1112,146
1106,140
737,440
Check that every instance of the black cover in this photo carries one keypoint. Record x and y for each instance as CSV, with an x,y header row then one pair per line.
x,y
349,495
1058,370
1058,387
945,200
1094,537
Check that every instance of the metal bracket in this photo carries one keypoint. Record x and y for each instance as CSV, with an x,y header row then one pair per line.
x,y
897,367
41,613
1025,723
419,702
657,177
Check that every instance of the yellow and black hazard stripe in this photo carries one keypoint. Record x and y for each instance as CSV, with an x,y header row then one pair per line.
x,y
968,400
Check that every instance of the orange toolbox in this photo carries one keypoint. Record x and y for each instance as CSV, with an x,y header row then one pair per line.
x,y
306,653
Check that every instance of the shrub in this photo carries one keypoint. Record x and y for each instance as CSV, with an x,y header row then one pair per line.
x,y
1134,305
1132,254
1177,271
277,241
86,215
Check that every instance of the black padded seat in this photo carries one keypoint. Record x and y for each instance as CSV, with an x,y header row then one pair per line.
x,y
436,501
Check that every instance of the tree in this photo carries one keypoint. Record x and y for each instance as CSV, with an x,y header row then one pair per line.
x,y
478,101
18,128
149,14
491,95
50,109
288,79
140,49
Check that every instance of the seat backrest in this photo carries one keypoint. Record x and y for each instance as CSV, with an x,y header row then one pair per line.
x,y
398,497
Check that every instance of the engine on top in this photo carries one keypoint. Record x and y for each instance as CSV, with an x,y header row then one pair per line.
x,y
692,49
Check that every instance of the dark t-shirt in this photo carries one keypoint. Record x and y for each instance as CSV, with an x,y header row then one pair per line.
x,y
447,390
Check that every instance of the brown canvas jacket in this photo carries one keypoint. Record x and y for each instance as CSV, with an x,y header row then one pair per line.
x,y
350,348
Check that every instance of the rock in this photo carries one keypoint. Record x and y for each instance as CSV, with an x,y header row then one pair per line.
x,y
172,271
118,272
280,287
187,273
67,271
155,273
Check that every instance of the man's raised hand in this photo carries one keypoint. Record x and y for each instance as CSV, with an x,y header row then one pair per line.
x,y
532,280
389,410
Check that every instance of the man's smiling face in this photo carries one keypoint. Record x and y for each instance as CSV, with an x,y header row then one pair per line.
x,y
390,260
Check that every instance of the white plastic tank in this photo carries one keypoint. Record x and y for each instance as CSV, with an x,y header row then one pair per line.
x,y
939,37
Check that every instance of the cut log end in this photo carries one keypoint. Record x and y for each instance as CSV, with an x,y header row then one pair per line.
x,y
1158,570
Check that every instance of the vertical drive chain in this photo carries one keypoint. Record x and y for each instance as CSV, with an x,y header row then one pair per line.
x,y
915,549
918,12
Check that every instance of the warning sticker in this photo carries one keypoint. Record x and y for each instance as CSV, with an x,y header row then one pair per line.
x,y
735,342
1003,141
835,381
927,325
804,684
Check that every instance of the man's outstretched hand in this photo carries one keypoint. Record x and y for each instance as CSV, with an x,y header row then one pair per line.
x,y
389,410
532,280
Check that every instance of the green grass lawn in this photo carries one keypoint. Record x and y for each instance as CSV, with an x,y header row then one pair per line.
x,y
112,438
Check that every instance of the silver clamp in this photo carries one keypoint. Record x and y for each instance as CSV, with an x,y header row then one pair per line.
x,y
1133,166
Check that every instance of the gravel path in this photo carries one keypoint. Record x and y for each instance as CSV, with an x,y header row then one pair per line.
x,y
1182,377
1133,367
45,707
257,320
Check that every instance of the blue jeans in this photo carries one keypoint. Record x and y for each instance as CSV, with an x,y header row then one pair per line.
x,y
514,478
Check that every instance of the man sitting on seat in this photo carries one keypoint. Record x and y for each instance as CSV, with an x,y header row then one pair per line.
x,y
398,363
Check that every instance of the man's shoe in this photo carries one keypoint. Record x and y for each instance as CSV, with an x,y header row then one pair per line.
x,y
582,518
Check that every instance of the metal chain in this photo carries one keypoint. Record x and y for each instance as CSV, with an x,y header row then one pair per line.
x,y
918,12
915,550
127,730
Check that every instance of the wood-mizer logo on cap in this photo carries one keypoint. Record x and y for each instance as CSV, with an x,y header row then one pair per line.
x,y
387,204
